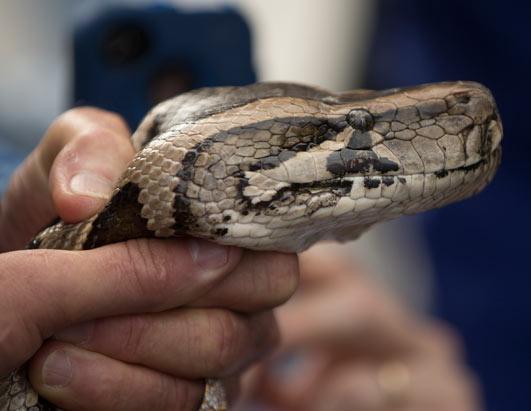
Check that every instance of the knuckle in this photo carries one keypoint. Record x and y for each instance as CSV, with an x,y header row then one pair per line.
x,y
143,269
35,282
96,124
173,395
131,389
84,141
18,338
265,333
80,124
227,340
93,136
91,113
114,119
66,118
283,278
108,392
133,333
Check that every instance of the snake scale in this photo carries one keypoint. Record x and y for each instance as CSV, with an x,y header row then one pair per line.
x,y
279,166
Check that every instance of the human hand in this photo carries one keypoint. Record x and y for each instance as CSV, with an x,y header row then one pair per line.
x,y
348,345
113,309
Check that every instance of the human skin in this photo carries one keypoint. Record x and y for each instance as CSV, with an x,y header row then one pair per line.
x,y
344,337
133,325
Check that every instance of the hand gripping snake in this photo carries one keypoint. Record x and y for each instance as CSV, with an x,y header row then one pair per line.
x,y
279,166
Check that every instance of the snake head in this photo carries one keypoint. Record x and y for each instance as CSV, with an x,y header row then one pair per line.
x,y
282,166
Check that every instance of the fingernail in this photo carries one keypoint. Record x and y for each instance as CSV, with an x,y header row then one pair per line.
x,y
57,369
76,334
91,184
208,255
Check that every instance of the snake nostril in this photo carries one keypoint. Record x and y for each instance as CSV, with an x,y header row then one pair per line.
x,y
462,98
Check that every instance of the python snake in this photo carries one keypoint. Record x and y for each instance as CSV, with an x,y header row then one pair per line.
x,y
279,166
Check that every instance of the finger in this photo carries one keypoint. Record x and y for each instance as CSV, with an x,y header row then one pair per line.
x,y
350,318
439,383
353,387
73,378
85,150
412,383
420,384
188,343
45,294
287,382
325,265
349,386
262,280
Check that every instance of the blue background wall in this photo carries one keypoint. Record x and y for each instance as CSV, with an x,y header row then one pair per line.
x,y
481,247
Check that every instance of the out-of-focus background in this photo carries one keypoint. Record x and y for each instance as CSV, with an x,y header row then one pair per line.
x,y
467,263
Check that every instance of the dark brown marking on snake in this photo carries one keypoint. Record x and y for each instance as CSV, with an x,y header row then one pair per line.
x,y
371,182
322,128
346,161
311,131
441,173
339,187
360,141
388,181
221,231
123,210
184,219
473,166
266,163
182,215
286,155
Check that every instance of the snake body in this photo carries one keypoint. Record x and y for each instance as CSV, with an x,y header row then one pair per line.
x,y
279,166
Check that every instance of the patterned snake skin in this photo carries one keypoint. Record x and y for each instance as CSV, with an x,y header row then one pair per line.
x,y
276,166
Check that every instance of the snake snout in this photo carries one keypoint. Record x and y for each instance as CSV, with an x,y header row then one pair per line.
x,y
484,133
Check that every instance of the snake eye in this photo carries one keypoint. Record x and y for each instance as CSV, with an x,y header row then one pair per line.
x,y
360,119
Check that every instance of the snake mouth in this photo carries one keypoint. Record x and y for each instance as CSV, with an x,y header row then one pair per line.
x,y
474,177
493,156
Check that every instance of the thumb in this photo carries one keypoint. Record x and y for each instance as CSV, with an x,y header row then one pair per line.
x,y
71,174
